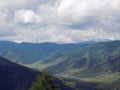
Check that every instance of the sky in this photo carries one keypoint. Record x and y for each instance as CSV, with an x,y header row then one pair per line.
x,y
60,21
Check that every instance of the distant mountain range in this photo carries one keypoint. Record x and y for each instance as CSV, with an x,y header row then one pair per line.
x,y
91,61
62,57
85,58
28,53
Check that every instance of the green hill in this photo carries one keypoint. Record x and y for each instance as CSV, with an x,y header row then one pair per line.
x,y
28,53
91,62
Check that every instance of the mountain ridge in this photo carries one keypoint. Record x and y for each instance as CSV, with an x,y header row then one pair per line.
x,y
17,77
97,62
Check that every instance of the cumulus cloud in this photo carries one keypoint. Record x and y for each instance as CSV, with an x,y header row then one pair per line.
x,y
59,20
54,34
49,14
27,17
78,10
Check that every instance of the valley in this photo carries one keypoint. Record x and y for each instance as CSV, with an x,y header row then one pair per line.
x,y
95,65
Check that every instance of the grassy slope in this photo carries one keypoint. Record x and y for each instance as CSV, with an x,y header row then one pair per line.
x,y
69,63
28,53
101,54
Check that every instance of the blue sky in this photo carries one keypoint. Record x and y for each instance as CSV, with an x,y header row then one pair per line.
x,y
62,21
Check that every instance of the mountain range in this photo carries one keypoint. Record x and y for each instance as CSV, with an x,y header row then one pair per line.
x,y
27,53
97,62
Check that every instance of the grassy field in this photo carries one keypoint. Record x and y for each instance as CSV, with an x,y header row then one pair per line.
x,y
37,66
104,78
108,81
102,82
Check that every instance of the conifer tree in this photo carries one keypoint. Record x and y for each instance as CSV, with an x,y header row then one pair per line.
x,y
44,81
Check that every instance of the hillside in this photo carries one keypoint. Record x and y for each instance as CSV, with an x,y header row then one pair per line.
x,y
17,77
83,58
14,76
62,59
97,62
28,53
92,62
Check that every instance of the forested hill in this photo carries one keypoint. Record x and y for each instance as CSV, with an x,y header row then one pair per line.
x,y
28,53
14,76
17,77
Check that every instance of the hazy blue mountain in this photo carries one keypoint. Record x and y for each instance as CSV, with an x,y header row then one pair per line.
x,y
84,58
27,53
89,61
59,58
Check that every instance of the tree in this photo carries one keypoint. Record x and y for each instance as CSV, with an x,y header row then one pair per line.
x,y
44,81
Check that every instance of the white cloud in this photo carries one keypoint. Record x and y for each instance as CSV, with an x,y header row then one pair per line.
x,y
52,34
27,17
49,14
59,20
79,10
